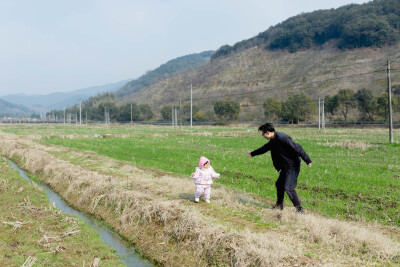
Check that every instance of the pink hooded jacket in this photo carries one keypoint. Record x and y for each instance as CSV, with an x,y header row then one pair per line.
x,y
204,176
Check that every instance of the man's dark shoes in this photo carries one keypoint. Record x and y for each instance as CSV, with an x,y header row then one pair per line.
x,y
277,206
299,209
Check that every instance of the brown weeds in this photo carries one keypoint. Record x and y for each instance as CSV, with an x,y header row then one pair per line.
x,y
352,144
345,237
16,224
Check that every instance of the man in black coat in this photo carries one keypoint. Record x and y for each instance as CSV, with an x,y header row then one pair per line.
x,y
285,156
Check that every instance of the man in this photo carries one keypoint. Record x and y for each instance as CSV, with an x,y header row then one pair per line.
x,y
285,157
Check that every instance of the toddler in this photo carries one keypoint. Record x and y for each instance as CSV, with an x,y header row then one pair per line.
x,y
203,179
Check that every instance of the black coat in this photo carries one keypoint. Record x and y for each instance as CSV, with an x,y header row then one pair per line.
x,y
284,152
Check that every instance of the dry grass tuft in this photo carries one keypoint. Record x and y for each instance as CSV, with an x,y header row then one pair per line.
x,y
29,261
217,244
352,144
346,237
95,262
16,224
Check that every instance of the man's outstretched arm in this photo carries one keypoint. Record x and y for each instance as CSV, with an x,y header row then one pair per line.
x,y
265,148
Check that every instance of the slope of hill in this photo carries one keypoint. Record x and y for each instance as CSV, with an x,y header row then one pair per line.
x,y
252,73
43,103
255,74
372,24
10,109
167,70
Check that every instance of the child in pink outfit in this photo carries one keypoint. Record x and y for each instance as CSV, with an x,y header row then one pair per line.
x,y
203,179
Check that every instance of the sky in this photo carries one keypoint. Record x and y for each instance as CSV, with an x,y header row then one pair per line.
x,y
52,46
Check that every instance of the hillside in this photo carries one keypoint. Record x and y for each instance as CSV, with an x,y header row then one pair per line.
x,y
368,25
10,109
255,74
252,71
60,100
173,67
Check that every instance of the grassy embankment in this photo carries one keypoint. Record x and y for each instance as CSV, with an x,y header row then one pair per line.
x,y
32,231
355,172
236,227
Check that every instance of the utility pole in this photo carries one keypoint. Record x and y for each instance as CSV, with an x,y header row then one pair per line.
x,y
80,112
319,113
172,115
180,111
191,105
64,115
390,103
176,116
131,113
323,113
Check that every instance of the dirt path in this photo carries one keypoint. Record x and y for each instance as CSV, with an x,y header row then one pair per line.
x,y
156,212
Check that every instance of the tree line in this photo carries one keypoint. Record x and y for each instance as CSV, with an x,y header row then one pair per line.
x,y
346,106
95,109
224,111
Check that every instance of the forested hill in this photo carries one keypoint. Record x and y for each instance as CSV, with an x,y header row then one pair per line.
x,y
172,67
373,24
9,109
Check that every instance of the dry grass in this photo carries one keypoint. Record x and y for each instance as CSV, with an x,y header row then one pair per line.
x,y
29,261
346,237
155,211
352,144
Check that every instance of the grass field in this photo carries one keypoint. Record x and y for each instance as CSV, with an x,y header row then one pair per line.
x,y
137,179
355,173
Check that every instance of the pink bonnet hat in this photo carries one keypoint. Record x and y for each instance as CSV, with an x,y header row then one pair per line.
x,y
202,161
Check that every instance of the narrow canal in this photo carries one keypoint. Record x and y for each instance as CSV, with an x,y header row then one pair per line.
x,y
124,251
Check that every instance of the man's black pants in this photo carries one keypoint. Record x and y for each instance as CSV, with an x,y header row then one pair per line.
x,y
287,182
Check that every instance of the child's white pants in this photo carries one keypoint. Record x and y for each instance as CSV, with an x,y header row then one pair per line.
x,y
203,189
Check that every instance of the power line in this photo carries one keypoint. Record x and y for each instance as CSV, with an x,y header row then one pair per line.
x,y
359,63
339,67
301,102
288,86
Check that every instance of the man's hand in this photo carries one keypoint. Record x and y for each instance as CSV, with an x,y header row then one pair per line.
x,y
249,154
309,164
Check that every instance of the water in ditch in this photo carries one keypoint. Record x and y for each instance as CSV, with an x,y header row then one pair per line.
x,y
124,251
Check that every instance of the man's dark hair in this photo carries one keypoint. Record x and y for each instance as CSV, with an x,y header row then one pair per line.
x,y
268,127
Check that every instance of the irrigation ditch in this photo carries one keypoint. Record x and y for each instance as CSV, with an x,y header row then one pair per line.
x,y
154,212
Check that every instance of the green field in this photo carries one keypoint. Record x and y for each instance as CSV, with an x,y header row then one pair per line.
x,y
355,173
